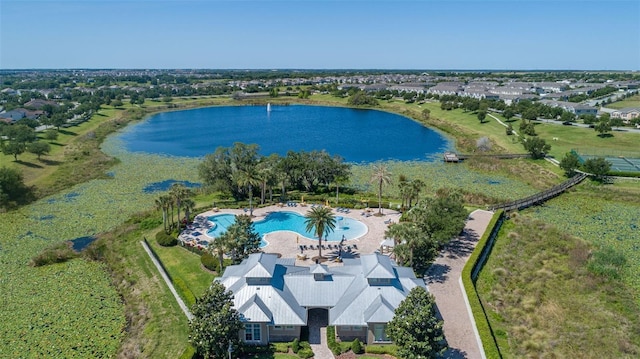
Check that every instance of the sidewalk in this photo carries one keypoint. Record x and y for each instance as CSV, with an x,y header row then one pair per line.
x,y
443,281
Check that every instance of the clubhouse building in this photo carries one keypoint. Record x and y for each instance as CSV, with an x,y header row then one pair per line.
x,y
277,299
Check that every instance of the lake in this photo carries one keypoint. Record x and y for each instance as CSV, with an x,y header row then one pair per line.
x,y
356,135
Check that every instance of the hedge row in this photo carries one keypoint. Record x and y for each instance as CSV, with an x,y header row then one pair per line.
x,y
331,341
390,349
184,291
482,322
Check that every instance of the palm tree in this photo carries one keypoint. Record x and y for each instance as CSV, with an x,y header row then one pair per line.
x,y
406,237
320,218
403,185
380,176
415,188
248,177
189,205
338,181
162,203
219,245
179,193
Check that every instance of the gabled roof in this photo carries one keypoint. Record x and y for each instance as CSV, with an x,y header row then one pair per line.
x,y
319,269
254,310
380,311
260,265
377,266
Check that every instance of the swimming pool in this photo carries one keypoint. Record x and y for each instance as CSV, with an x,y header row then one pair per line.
x,y
290,221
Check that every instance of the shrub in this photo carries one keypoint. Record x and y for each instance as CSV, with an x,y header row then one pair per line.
x,y
305,353
303,349
280,347
184,291
150,223
210,262
57,253
331,341
166,240
381,349
356,346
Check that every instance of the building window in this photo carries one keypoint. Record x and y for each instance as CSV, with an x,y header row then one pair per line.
x,y
252,332
380,333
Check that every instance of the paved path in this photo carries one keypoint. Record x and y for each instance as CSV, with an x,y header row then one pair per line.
x,y
321,351
443,281
164,275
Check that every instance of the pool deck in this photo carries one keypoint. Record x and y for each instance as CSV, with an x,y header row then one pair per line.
x,y
287,244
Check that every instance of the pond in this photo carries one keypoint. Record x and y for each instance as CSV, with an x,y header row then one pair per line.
x,y
359,136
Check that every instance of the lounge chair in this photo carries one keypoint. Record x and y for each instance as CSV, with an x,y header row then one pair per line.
x,y
346,210
355,247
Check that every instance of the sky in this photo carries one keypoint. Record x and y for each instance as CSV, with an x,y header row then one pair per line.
x,y
321,34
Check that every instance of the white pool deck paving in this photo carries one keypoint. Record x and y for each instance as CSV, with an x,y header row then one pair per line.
x,y
288,243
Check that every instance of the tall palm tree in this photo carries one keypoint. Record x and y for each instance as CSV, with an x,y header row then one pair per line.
x,y
248,177
403,185
406,236
189,206
322,220
219,245
339,181
179,193
381,176
162,203
416,187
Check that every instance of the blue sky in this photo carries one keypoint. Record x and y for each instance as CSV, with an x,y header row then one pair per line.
x,y
308,34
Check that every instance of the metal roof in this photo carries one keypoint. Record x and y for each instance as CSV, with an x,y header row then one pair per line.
x,y
364,290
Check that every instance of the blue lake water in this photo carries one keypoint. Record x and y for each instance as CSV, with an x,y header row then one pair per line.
x,y
356,135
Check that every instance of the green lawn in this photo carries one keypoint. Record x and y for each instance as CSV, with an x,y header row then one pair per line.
x,y
180,263
633,101
586,140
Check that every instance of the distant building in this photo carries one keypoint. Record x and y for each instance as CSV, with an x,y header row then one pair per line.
x,y
575,108
276,298
626,114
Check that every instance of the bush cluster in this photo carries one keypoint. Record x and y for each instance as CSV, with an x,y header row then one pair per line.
x,y
356,347
184,291
166,240
333,345
390,349
210,262
57,253
295,345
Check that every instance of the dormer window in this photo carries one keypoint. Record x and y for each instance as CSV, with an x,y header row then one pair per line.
x,y
258,280
379,281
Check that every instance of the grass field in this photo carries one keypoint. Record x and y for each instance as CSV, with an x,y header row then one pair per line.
x,y
543,301
633,101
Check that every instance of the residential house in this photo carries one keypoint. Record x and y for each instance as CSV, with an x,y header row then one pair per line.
x,y
626,114
575,108
446,88
276,298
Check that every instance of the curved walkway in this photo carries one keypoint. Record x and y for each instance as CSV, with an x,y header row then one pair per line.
x,y
443,281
